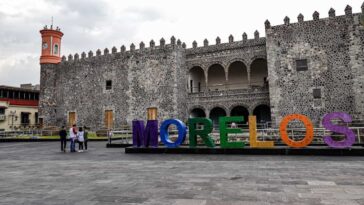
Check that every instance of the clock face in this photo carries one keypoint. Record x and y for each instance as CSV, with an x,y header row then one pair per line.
x,y
44,45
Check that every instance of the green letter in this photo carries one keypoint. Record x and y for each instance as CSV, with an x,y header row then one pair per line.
x,y
224,142
203,133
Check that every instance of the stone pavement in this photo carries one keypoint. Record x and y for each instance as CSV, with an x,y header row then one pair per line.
x,y
37,173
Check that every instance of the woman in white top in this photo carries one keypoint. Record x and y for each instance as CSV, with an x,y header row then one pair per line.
x,y
81,139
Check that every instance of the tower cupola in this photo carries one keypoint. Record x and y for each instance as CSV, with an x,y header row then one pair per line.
x,y
51,45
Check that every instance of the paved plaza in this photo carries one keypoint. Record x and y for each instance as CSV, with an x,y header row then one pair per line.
x,y
38,173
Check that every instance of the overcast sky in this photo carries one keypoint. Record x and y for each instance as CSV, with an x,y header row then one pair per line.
x,y
92,24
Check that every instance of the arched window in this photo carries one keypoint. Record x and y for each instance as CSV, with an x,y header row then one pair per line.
x,y
197,80
197,112
215,114
240,111
216,77
263,113
55,50
238,76
259,72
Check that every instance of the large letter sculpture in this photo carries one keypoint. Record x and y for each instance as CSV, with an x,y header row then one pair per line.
x,y
309,131
182,129
253,135
145,137
224,142
350,136
204,133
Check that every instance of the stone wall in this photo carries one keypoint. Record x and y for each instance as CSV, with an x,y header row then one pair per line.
x,y
356,52
329,47
147,77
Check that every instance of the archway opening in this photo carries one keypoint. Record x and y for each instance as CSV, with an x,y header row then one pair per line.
x,y
215,114
216,77
238,76
196,80
197,112
240,111
262,112
259,73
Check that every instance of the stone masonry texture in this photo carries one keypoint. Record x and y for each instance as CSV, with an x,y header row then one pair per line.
x,y
158,76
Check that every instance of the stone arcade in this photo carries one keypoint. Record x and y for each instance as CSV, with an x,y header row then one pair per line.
x,y
309,67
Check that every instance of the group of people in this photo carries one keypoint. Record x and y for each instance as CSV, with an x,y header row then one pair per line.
x,y
75,136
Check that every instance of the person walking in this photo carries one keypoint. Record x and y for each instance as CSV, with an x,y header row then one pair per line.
x,y
85,133
81,139
73,136
63,137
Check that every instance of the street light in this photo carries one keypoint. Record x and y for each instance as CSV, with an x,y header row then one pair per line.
x,y
13,115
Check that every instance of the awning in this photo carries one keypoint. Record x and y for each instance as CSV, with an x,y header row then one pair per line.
x,y
3,107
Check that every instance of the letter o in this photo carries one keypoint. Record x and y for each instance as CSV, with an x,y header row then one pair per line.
x,y
182,131
309,130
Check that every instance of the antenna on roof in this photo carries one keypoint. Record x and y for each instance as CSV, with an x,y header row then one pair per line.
x,y
52,22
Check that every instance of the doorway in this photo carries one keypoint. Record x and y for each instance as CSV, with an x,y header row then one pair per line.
x,y
109,119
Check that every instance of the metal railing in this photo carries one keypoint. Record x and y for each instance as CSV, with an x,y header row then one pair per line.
x,y
273,134
228,86
124,135
263,134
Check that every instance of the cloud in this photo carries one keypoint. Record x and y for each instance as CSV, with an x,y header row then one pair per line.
x,y
92,24
19,70
87,24
143,14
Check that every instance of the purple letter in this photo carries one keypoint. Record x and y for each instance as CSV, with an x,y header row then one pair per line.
x,y
350,136
145,137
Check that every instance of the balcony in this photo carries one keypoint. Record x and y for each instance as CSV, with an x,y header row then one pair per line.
x,y
257,91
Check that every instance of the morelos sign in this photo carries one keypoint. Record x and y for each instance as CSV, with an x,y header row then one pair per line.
x,y
148,136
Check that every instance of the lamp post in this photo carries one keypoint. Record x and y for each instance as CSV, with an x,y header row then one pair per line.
x,y
13,115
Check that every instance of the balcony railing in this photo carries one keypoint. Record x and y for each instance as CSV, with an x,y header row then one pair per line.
x,y
217,93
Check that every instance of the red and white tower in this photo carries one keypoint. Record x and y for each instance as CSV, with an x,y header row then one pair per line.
x,y
51,45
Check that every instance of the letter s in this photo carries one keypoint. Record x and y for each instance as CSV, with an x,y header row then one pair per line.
x,y
350,136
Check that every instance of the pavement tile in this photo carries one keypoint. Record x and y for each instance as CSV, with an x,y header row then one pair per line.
x,y
37,173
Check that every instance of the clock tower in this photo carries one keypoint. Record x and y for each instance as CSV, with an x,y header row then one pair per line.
x,y
51,45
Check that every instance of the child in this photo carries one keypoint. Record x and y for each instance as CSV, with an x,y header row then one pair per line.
x,y
81,139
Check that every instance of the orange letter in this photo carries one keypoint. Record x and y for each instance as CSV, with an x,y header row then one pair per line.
x,y
309,131
253,135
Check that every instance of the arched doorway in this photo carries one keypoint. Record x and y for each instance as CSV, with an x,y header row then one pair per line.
x,y
263,113
240,111
215,113
196,80
259,73
238,76
216,77
197,112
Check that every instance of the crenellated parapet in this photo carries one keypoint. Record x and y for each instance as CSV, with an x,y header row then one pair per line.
x,y
231,44
123,53
348,14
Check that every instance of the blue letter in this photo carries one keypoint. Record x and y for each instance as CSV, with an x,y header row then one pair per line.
x,y
181,127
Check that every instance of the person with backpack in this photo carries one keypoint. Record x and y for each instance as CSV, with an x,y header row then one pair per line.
x,y
81,139
73,136
63,138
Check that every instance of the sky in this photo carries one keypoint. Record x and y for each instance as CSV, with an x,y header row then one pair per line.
x,y
99,24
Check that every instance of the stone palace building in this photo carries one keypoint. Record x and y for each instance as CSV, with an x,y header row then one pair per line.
x,y
311,67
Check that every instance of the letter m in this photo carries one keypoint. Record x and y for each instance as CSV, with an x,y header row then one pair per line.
x,y
145,136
